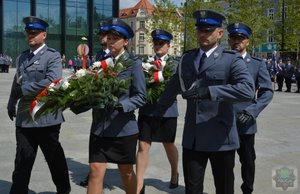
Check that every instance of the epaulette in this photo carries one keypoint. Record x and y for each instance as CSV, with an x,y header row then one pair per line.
x,y
230,51
51,49
188,51
257,59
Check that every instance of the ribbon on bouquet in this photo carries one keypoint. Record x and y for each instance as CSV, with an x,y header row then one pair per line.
x,y
158,71
36,104
104,64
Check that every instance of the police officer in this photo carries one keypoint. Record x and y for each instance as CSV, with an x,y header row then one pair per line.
x,y
288,74
101,55
113,137
167,132
104,52
211,80
280,75
36,68
247,112
297,75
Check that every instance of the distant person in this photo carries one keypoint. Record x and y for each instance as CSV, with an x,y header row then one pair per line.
x,y
288,74
36,68
297,75
280,75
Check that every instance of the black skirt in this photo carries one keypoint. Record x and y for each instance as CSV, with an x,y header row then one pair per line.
x,y
165,134
117,150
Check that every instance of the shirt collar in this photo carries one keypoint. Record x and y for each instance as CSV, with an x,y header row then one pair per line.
x,y
244,55
38,50
209,52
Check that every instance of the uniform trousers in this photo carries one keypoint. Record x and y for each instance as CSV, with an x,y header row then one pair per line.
x,y
28,140
288,83
247,156
194,165
279,80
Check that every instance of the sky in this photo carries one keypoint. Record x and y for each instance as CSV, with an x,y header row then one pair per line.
x,y
131,3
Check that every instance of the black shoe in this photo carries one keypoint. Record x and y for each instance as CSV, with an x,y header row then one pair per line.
x,y
142,191
85,182
287,91
297,91
174,185
279,90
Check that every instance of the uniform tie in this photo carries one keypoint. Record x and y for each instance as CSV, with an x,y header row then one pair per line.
x,y
30,55
202,59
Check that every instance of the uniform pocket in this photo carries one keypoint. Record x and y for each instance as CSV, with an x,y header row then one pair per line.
x,y
215,77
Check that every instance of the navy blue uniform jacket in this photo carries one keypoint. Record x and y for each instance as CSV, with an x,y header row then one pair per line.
x,y
263,85
210,125
118,124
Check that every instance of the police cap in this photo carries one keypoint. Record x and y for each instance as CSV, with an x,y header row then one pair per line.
x,y
208,19
239,29
33,23
120,26
103,27
161,35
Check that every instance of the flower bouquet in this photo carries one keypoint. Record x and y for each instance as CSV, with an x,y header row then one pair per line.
x,y
157,75
87,88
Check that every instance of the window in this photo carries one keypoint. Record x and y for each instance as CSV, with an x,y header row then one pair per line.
x,y
141,50
271,13
141,37
270,36
142,24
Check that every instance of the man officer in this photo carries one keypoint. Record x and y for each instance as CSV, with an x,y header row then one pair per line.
x,y
36,68
211,80
247,112
104,52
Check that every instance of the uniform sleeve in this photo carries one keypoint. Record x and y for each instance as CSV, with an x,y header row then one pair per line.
x,y
264,92
13,99
137,89
241,86
53,72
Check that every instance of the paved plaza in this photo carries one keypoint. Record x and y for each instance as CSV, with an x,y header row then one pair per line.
x,y
277,146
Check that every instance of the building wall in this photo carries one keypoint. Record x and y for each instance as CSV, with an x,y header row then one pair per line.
x,y
69,21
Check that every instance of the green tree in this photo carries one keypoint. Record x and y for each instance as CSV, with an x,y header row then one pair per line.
x,y
291,25
252,13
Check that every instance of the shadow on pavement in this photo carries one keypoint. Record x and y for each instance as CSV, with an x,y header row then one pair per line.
x,y
5,188
79,172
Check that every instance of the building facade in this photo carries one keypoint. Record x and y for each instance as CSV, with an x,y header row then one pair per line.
x,y
139,18
69,21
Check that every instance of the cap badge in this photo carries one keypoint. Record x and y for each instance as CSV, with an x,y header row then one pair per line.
x,y
202,14
236,25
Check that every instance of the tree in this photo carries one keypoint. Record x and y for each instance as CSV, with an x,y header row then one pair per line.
x,y
252,13
166,17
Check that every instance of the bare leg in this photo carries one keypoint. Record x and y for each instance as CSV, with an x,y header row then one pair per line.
x,y
172,154
128,177
142,163
96,178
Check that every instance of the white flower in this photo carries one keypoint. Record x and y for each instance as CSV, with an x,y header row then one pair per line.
x,y
147,66
150,59
80,73
96,64
65,84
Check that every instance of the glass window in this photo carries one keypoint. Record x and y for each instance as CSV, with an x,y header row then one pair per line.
x,y
142,24
271,13
270,36
13,27
141,37
141,50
